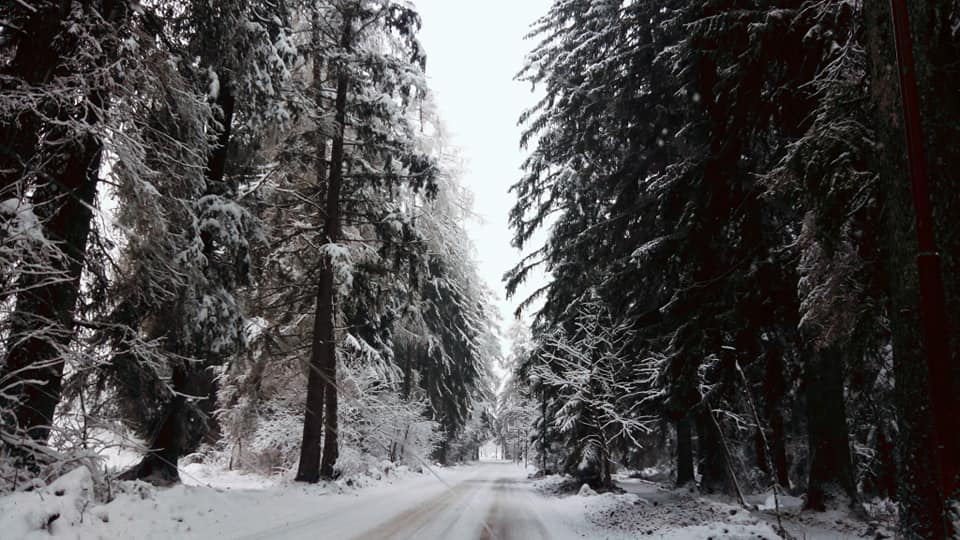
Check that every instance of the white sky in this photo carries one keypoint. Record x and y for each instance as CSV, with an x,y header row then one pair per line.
x,y
474,49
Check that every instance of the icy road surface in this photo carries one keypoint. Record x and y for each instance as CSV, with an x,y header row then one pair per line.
x,y
485,501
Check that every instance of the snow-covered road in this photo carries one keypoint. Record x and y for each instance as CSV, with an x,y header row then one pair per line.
x,y
486,501
482,501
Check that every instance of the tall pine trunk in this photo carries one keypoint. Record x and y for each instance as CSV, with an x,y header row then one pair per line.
x,y
684,451
774,389
936,48
43,321
42,324
159,465
920,497
170,440
322,381
711,462
38,56
829,443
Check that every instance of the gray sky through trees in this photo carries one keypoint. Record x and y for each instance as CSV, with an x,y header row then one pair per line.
x,y
474,49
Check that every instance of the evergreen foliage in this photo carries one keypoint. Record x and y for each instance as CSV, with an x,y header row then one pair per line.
x,y
711,177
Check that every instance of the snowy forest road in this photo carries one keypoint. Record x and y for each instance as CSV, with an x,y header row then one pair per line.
x,y
487,507
483,501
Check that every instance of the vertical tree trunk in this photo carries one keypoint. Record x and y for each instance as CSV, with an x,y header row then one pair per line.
x,y
543,430
711,463
330,444
778,446
774,388
42,323
922,509
323,359
829,443
217,162
159,465
308,469
936,48
887,476
684,451
38,56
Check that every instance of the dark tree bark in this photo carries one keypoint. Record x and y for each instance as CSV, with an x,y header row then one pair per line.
x,y
936,48
774,388
323,358
711,464
159,465
43,322
217,162
174,439
684,451
920,497
308,469
829,443
543,430
886,484
38,56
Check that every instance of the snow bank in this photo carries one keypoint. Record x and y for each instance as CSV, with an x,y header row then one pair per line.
x,y
652,510
52,511
211,503
203,474
787,502
586,491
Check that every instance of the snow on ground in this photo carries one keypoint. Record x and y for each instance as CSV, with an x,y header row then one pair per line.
x,y
201,474
484,500
212,503
650,510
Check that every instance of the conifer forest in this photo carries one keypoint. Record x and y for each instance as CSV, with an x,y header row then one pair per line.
x,y
241,294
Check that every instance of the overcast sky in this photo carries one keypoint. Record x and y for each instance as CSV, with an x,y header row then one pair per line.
x,y
474,49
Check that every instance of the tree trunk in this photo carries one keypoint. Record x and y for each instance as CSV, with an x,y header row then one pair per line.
x,y
606,478
42,323
684,451
217,162
887,475
936,49
711,463
38,56
323,358
921,502
441,452
172,440
159,465
774,388
310,448
829,443
543,430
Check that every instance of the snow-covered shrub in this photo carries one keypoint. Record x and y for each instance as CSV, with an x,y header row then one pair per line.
x,y
262,419
379,424
590,370
49,510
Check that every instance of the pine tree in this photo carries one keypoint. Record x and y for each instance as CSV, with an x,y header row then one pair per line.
x,y
921,495
56,92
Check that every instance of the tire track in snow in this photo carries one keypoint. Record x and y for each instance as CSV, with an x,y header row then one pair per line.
x,y
511,517
410,522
